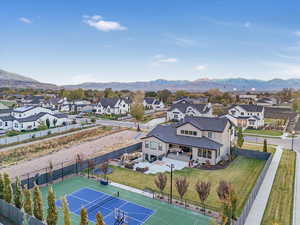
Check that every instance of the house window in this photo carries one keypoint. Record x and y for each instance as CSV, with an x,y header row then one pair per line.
x,y
160,146
190,132
146,144
1,124
186,132
209,134
204,153
16,125
194,133
182,131
242,113
153,145
6,124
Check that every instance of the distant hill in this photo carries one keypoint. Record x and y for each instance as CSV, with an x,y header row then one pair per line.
x,y
13,80
239,84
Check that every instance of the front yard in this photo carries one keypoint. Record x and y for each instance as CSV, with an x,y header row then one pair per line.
x,y
274,133
280,204
242,173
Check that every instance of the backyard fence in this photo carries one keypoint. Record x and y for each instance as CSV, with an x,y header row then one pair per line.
x,y
42,133
242,219
16,215
63,169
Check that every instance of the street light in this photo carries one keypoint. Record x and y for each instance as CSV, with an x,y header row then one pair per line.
x,y
293,135
171,189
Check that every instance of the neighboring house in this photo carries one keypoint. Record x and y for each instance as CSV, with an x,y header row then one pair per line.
x,y
179,110
248,97
33,100
247,116
116,106
30,117
153,103
267,101
199,100
202,139
5,112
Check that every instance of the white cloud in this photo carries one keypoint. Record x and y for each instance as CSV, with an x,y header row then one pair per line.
x,y
162,59
200,67
82,78
184,42
247,24
297,33
25,20
99,23
290,69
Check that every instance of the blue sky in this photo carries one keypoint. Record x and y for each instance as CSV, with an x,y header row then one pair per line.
x,y
65,42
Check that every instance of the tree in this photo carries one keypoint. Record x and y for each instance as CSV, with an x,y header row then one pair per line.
x,y
66,211
1,186
203,190
240,140
52,211
182,186
164,95
8,192
50,170
99,218
18,195
48,123
161,182
265,146
104,168
27,201
84,217
91,166
37,203
137,112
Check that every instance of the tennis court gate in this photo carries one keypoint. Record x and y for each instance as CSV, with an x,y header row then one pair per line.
x,y
64,169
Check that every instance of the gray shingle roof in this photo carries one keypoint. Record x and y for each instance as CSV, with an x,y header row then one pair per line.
x,y
111,102
31,118
24,108
7,118
167,133
251,108
215,124
5,111
150,100
183,106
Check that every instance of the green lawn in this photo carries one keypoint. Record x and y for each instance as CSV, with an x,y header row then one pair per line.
x,y
280,204
263,132
259,147
242,173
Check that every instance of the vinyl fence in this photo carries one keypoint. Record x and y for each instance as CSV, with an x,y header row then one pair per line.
x,y
27,136
64,169
259,155
15,214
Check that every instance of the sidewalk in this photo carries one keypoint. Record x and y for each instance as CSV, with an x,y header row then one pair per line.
x,y
258,208
296,217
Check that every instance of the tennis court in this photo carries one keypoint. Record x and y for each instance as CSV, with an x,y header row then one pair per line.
x,y
83,192
113,209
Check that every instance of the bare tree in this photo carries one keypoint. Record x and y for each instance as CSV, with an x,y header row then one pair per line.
x,y
203,190
50,170
104,168
161,182
91,165
228,197
79,160
182,185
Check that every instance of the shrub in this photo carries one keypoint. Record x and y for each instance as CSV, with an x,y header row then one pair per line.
x,y
142,170
12,133
128,166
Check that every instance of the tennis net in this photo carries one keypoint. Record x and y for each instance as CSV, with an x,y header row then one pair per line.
x,y
98,203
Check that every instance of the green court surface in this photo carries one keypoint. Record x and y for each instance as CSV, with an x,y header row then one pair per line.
x,y
165,214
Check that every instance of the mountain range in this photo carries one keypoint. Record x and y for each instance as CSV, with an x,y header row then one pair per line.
x,y
13,80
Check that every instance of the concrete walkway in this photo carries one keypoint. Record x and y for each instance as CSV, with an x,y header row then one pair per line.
x,y
258,208
296,214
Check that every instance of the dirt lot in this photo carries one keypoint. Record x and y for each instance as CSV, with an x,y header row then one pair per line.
x,y
91,148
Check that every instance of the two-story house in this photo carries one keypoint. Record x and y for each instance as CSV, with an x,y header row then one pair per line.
x,y
247,116
115,106
179,110
202,139
30,117
153,103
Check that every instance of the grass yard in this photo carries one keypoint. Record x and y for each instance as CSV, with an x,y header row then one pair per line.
x,y
242,173
258,147
273,121
280,204
275,133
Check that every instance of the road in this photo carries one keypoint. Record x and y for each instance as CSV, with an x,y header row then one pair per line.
x,y
285,143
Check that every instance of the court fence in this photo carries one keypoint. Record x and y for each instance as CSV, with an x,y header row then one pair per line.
x,y
16,215
60,171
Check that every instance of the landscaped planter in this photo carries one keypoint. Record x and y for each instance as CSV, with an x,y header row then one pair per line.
x,y
104,182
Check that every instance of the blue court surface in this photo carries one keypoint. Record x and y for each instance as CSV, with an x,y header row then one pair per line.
x,y
95,201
